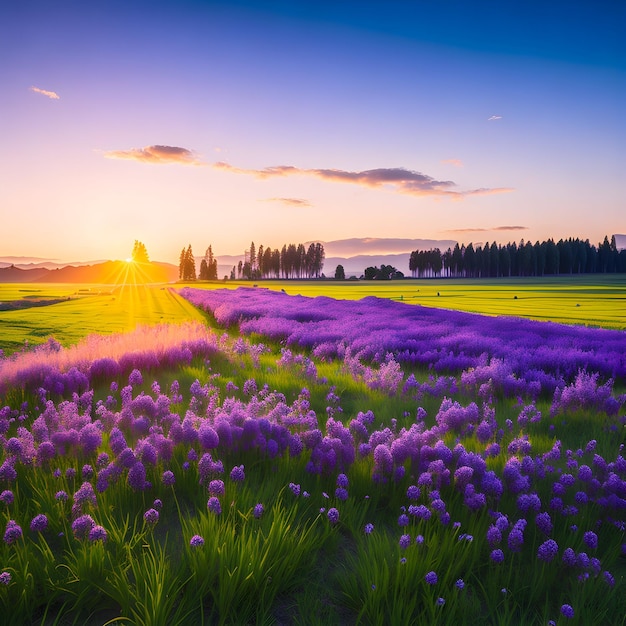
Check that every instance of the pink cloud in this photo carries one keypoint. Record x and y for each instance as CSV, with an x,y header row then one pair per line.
x,y
157,155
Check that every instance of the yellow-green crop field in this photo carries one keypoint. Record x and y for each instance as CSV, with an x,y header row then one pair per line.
x,y
69,312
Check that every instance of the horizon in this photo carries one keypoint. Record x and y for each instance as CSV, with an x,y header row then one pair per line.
x,y
223,123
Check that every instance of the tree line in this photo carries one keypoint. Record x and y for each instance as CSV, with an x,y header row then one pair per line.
x,y
292,261
567,256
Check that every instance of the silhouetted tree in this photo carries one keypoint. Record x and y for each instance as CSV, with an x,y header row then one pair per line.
x,y
340,273
140,254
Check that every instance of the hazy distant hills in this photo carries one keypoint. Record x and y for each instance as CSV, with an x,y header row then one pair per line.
x,y
107,272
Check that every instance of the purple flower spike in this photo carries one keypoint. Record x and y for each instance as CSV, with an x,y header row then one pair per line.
x,y
168,478
5,578
333,515
12,533
368,529
258,510
151,516
405,541
98,533
39,523
7,497
567,611
431,578
591,539
214,505
196,541
547,551
497,556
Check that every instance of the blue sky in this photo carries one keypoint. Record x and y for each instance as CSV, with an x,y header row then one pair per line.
x,y
225,122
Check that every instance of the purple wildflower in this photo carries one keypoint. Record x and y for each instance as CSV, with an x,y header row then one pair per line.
x,y
569,557
237,474
295,489
405,541
547,550
567,611
216,487
341,494
591,540
168,478
196,541
82,525
460,584
5,578
368,529
497,556
61,496
98,533
333,515
431,578
342,481
214,505
39,523
258,510
413,492
403,520
440,601
157,504
7,497
12,533
151,516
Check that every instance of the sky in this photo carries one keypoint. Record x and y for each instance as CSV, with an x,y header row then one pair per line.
x,y
193,123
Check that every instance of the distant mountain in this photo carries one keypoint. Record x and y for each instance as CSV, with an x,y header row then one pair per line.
x,y
355,265
109,272
28,263
380,246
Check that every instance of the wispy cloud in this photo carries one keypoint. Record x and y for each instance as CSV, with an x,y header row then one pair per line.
x,y
486,230
157,155
397,178
295,202
49,94
494,117
455,162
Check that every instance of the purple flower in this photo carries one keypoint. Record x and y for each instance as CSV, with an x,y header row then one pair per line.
x,y
39,523
567,611
135,379
440,601
168,478
419,540
7,497
196,541
494,535
295,489
5,578
591,540
12,533
413,492
157,504
258,510
98,533
368,529
237,474
403,520
547,550
151,516
61,496
341,494
333,515
214,505
342,481
216,487
405,541
608,578
460,584
82,525
569,557
431,578
497,556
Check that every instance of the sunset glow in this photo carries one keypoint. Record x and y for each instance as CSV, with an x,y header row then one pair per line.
x,y
222,123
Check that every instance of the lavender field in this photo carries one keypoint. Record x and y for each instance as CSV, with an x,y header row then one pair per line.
x,y
314,461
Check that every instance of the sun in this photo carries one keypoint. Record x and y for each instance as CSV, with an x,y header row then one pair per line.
x,y
129,259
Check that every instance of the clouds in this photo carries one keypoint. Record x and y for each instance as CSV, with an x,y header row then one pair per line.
x,y
455,162
486,230
493,118
157,155
397,179
292,202
49,94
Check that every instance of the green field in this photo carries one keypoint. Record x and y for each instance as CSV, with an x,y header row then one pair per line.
x,y
86,309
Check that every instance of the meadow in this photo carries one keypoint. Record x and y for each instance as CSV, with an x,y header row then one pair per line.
x,y
253,457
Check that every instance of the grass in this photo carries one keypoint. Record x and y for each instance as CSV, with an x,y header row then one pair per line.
x,y
593,300
87,309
